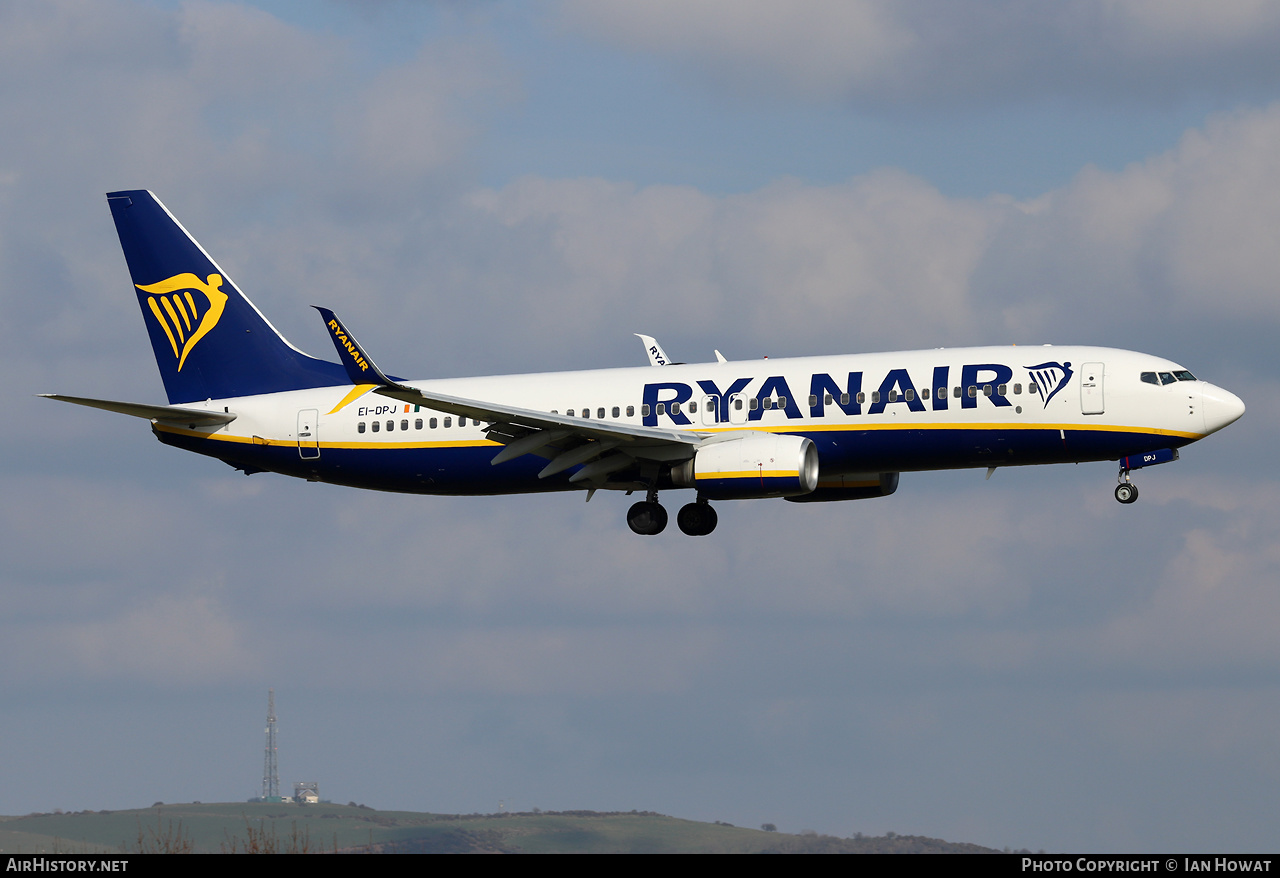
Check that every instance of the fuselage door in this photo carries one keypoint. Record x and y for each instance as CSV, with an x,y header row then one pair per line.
x,y
710,410
1091,375
308,434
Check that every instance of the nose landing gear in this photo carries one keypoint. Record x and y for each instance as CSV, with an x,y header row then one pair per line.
x,y
1126,491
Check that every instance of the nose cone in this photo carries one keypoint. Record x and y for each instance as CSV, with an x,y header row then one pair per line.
x,y
1221,407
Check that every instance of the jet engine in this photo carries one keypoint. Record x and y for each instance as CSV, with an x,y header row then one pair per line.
x,y
741,466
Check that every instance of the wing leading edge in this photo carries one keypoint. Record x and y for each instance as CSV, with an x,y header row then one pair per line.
x,y
601,448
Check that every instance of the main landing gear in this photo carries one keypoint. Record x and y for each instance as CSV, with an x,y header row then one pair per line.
x,y
648,517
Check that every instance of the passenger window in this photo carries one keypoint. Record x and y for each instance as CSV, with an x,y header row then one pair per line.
x,y
956,393
844,398
826,399
675,408
644,410
586,412
417,424
1033,388
1017,389
569,412
376,425
924,394
391,425
893,396
432,423
973,391
404,425
754,404
942,393
875,396
862,397
360,427
693,408
448,422
631,411
1002,389
768,404
782,402
909,394
737,404
986,390
813,400
662,408
615,411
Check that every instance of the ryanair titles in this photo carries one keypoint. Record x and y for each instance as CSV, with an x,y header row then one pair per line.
x,y
734,403
345,342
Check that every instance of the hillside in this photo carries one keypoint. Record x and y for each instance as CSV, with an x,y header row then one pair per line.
x,y
324,828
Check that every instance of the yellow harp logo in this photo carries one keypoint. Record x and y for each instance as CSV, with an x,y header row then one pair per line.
x,y
184,320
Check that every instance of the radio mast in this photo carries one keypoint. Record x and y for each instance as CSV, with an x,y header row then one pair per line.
x,y
270,772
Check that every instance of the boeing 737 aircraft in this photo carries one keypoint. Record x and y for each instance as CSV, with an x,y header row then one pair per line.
x,y
806,429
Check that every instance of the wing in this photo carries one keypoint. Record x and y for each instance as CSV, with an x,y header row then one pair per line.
x,y
604,447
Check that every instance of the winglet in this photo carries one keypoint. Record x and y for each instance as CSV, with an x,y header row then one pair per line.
x,y
657,356
359,365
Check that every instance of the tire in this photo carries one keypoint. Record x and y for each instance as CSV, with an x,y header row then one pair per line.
x,y
647,519
697,519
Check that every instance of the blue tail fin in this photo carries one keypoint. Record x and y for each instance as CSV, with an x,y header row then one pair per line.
x,y
209,340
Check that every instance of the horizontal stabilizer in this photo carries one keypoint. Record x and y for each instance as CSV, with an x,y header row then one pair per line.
x,y
150,412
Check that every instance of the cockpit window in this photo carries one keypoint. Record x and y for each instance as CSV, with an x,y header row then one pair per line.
x,y
1150,378
1184,375
1167,378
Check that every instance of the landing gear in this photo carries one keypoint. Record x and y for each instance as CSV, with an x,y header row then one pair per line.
x,y
647,517
697,519
1126,491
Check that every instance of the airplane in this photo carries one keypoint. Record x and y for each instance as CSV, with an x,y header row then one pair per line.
x,y
807,429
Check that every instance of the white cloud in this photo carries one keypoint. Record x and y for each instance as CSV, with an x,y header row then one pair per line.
x,y
935,52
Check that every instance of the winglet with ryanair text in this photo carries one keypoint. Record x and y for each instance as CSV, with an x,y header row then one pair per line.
x,y
359,365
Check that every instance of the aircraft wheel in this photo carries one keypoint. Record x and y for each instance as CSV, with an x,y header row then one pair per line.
x,y
1126,492
647,518
697,519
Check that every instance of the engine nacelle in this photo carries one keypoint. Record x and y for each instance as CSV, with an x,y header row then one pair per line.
x,y
742,466
851,486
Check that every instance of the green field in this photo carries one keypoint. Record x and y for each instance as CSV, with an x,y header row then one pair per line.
x,y
324,828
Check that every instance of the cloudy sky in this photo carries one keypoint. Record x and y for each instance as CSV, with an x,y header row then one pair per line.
x,y
482,188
